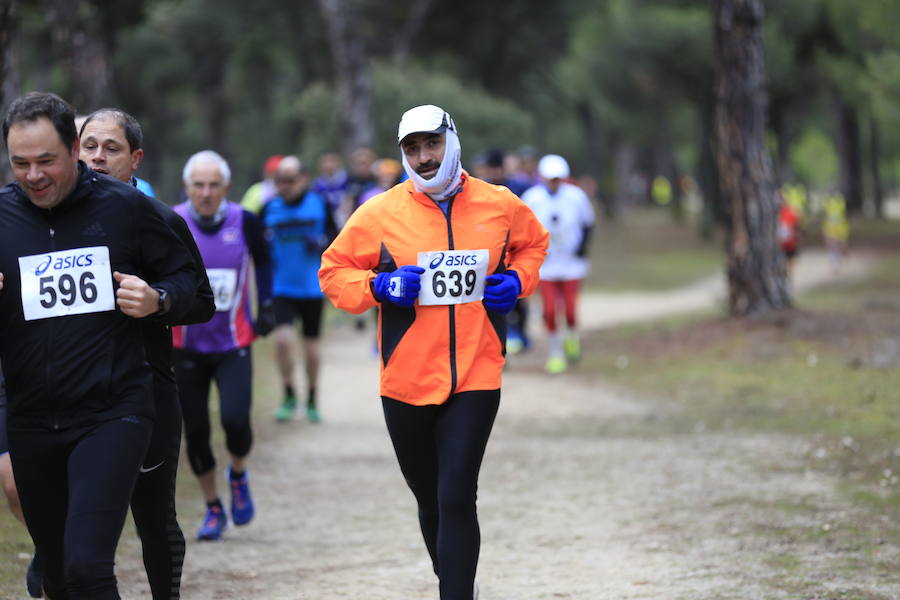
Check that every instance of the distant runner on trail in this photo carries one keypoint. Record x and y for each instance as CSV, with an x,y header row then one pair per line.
x,y
566,211
229,238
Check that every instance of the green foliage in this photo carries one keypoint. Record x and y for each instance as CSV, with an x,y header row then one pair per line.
x,y
484,121
813,159
583,78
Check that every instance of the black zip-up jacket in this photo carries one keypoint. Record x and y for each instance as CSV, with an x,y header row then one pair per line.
x,y
76,370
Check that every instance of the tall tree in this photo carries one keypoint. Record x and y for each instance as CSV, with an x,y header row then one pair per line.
x,y
82,52
352,74
9,75
757,281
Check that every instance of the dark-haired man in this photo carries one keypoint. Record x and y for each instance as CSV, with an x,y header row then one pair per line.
x,y
111,143
84,257
444,256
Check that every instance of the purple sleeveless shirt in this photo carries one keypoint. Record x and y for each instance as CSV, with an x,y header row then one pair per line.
x,y
227,259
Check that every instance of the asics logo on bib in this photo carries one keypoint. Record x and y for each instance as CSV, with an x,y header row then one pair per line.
x,y
42,268
460,260
65,262
456,260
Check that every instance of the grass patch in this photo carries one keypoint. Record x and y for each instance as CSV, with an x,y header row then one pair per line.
x,y
646,250
828,371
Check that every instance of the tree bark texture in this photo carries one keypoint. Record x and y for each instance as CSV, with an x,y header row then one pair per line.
x,y
850,153
352,74
89,75
757,280
593,145
405,37
9,71
625,166
874,160
708,172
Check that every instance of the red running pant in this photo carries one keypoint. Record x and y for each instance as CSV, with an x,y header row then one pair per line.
x,y
555,292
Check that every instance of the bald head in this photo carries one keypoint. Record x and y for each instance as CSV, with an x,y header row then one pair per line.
x,y
291,178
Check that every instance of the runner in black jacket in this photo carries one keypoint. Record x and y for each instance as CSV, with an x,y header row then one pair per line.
x,y
84,256
111,143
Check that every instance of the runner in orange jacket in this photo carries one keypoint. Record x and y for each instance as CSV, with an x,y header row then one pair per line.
x,y
445,256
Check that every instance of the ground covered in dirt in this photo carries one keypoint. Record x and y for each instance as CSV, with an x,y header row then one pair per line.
x,y
574,504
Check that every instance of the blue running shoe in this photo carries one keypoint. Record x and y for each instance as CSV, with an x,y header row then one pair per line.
x,y
34,578
242,509
214,524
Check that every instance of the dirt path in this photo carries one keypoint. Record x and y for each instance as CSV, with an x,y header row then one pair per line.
x,y
811,269
569,508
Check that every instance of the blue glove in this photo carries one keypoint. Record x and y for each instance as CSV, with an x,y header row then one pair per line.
x,y
400,287
501,290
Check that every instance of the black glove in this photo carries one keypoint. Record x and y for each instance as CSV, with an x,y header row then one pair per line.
x,y
265,319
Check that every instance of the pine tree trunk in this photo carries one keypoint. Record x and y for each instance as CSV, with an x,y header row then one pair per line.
x,y
708,172
850,153
9,71
756,267
404,40
352,75
81,51
593,145
874,160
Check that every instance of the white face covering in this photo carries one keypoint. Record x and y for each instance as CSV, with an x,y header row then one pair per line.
x,y
446,181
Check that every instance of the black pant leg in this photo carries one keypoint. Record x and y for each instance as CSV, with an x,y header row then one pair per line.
x,y
193,374
40,466
234,380
153,500
103,466
440,449
411,429
462,431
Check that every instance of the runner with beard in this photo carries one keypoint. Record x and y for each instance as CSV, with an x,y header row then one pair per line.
x,y
444,256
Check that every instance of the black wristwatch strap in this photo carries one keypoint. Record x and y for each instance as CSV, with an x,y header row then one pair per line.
x,y
164,301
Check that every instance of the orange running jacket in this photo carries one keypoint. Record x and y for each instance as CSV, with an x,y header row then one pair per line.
x,y
432,352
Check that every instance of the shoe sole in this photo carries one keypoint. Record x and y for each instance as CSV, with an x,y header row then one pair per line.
x,y
207,538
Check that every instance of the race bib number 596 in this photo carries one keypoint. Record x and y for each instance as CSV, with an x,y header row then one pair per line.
x,y
68,282
452,276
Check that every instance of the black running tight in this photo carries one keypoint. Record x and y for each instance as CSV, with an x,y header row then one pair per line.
x,y
74,486
233,373
153,500
439,449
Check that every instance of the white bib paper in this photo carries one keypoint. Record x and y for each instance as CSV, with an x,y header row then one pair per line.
x,y
452,276
223,283
67,282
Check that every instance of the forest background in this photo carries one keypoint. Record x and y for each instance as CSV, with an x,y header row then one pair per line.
x,y
623,88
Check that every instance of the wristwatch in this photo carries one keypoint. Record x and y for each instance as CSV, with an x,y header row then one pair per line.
x,y
164,302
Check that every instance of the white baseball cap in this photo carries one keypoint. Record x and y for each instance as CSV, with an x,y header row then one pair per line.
x,y
427,118
553,166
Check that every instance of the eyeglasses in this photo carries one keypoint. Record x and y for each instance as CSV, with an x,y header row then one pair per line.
x,y
286,179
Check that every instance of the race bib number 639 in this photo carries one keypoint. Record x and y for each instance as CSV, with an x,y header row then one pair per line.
x,y
68,282
452,276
